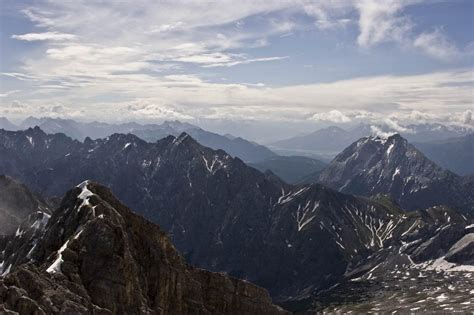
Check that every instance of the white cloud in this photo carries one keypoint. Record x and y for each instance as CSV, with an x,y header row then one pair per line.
x,y
332,116
8,93
329,14
53,36
145,110
436,45
394,125
379,132
244,61
382,21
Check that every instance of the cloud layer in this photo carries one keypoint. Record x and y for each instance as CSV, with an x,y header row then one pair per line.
x,y
148,60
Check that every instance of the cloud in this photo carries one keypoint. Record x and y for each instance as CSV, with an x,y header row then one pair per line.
x,y
436,45
8,93
54,36
382,21
381,133
145,110
245,61
329,15
332,116
394,125
17,104
467,118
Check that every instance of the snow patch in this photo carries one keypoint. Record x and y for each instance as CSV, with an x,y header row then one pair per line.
x,y
56,265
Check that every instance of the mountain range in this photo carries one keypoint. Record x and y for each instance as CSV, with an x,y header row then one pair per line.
x,y
235,146
330,141
295,240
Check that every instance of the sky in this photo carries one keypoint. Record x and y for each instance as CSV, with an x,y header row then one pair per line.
x,y
239,66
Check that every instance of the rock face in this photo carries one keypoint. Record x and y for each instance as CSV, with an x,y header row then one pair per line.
x,y
16,204
97,257
392,166
220,213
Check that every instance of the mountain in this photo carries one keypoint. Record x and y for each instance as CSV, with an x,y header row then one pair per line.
x,y
95,256
16,204
454,154
235,146
6,124
292,169
294,240
317,142
374,165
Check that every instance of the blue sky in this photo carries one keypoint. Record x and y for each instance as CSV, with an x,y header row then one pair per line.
x,y
297,63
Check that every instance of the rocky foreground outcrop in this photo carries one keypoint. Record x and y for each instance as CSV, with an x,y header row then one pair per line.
x,y
97,257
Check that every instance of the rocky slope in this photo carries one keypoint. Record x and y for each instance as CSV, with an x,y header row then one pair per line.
x,y
95,256
392,166
221,214
427,268
16,204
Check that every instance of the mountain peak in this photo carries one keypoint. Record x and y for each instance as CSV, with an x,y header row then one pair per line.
x,y
391,166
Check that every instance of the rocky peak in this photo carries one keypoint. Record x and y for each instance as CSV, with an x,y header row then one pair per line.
x,y
98,256
393,166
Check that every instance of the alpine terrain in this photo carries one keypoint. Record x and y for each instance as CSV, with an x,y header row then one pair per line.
x,y
296,241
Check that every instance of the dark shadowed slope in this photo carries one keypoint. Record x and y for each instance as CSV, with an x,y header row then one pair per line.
x,y
292,169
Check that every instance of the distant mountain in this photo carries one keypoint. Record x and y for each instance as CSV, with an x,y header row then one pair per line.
x,y
454,154
94,256
434,132
16,204
374,165
292,169
6,124
226,216
235,146
330,141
